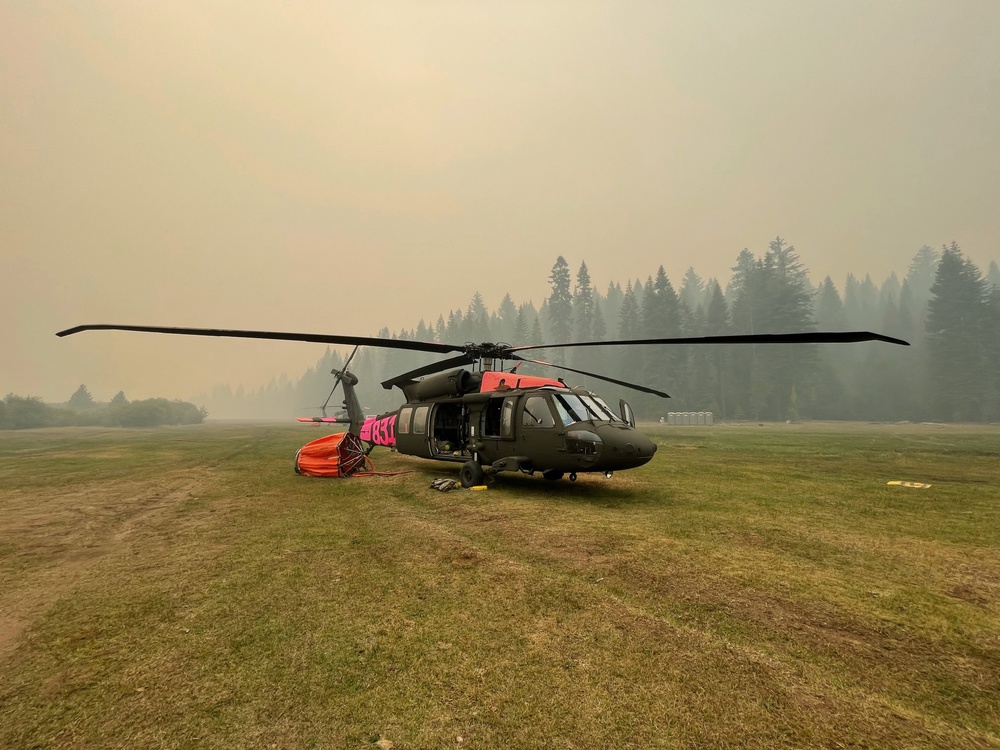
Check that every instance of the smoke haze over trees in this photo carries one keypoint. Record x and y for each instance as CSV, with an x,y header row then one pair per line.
x,y
944,305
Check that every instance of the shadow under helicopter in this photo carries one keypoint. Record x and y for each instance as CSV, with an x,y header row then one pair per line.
x,y
589,489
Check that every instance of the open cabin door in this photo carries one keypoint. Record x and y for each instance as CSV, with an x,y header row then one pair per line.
x,y
628,416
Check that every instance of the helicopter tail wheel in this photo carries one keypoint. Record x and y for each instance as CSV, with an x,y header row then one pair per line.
x,y
552,475
471,474
572,477
608,474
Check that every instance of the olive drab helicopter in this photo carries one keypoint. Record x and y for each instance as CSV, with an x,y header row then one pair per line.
x,y
475,409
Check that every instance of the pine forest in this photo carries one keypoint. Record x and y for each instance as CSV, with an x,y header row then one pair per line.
x,y
943,304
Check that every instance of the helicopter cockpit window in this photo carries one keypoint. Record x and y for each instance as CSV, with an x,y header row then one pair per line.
x,y
599,409
612,416
565,416
404,420
537,413
574,408
420,420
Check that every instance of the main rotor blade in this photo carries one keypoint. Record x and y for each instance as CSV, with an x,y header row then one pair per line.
x,y
318,338
461,359
811,337
643,388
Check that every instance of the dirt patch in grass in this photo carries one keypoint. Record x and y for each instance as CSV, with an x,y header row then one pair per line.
x,y
52,539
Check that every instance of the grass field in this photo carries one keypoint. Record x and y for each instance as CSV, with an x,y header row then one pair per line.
x,y
753,586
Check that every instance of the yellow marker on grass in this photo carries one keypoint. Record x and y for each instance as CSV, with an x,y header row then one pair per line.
x,y
898,483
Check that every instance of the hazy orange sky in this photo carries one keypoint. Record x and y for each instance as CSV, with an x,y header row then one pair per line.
x,y
317,166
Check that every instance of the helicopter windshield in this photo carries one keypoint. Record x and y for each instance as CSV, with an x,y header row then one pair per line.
x,y
574,408
605,409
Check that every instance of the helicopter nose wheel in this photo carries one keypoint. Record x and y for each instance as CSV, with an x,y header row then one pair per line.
x,y
572,476
608,474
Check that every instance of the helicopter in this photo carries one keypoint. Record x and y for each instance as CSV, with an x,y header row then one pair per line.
x,y
469,409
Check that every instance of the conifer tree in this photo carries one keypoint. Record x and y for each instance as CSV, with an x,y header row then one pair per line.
x,y
743,295
422,332
583,306
454,330
506,316
477,326
661,319
852,301
600,325
830,314
957,321
790,369
739,282
717,324
692,291
890,289
520,334
920,275
772,296
598,360
629,328
922,272
831,400
81,399
612,304
868,297
893,380
560,303
537,337
629,321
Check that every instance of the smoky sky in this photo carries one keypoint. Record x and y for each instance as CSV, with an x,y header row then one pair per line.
x,y
333,167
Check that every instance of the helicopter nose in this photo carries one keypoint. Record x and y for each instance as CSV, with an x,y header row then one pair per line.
x,y
626,447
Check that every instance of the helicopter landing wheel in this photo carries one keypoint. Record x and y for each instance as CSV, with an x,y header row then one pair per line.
x,y
471,474
572,477
552,475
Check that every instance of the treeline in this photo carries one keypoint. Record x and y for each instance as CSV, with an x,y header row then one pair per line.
x,y
24,412
943,304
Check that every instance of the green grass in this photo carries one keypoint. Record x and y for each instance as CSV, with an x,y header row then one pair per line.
x,y
752,586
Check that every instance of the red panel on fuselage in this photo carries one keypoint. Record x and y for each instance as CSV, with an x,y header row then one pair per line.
x,y
493,380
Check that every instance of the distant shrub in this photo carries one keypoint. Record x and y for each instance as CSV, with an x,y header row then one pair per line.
x,y
156,411
24,412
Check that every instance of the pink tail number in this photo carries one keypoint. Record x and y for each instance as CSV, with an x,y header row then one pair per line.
x,y
379,430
